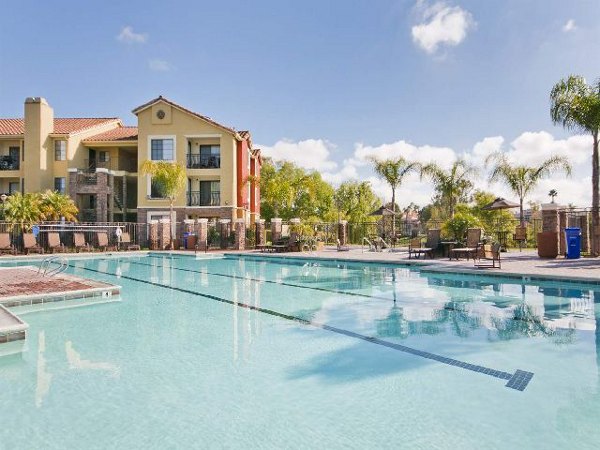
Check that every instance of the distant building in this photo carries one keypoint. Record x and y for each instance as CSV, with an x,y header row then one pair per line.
x,y
96,161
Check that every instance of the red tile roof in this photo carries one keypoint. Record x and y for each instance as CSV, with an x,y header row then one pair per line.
x,y
116,134
200,116
62,125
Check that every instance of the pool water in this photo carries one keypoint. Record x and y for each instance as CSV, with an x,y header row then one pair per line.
x,y
267,353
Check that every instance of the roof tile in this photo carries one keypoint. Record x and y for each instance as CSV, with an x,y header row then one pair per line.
x,y
62,125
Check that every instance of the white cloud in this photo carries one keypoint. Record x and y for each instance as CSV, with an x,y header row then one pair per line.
x,y
310,153
159,65
441,25
129,36
569,26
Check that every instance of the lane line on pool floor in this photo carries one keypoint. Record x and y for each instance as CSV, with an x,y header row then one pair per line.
x,y
519,380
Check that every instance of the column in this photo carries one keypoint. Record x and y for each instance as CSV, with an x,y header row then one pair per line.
x,y
164,233
202,234
562,224
240,234
294,229
343,232
225,232
585,232
261,238
548,239
153,241
275,229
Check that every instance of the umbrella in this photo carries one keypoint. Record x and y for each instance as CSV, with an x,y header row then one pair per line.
x,y
500,203
383,211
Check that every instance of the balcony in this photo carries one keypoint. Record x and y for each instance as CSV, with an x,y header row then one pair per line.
x,y
9,163
201,198
197,161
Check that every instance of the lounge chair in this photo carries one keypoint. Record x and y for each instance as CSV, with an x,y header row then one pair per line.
x,y
342,248
470,249
30,244
488,256
80,244
520,236
433,241
6,246
102,237
54,243
126,242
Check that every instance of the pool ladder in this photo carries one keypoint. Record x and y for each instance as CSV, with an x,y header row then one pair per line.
x,y
45,267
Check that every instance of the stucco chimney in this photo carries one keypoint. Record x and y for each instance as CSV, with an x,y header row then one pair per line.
x,y
38,154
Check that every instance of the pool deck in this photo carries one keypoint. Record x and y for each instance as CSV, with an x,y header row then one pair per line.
x,y
514,263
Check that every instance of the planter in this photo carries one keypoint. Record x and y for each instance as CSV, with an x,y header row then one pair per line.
x,y
547,244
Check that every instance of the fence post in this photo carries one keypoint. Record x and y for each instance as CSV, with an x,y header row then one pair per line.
x,y
153,240
585,232
261,238
202,234
240,234
225,232
343,232
275,229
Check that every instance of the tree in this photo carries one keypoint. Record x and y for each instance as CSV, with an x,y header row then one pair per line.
x,y
552,194
492,220
170,180
55,206
452,185
23,210
576,106
355,200
521,179
393,172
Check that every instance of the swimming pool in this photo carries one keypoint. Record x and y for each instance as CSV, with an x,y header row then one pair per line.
x,y
269,353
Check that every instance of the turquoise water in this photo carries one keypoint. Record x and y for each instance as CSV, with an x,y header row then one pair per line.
x,y
250,353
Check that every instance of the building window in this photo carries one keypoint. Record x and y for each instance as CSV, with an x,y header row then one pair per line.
x,y
13,187
103,156
60,185
155,191
60,150
161,149
210,193
210,156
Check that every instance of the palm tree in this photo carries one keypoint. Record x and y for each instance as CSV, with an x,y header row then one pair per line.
x,y
56,206
552,194
451,184
23,210
393,172
170,179
576,106
523,179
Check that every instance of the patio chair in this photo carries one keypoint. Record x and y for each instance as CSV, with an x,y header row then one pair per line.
x,y
30,244
126,242
342,248
80,244
520,236
488,256
102,238
471,247
6,246
54,243
433,241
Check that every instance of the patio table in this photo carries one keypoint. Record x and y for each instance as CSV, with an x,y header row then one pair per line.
x,y
448,246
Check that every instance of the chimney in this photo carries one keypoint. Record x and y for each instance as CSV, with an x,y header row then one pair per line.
x,y
38,154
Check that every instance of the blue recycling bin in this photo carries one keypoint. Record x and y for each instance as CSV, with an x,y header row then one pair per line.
x,y
573,242
185,239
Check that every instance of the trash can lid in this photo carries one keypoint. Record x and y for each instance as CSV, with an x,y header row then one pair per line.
x,y
572,229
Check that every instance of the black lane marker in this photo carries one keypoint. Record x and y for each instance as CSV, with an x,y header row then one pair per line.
x,y
518,380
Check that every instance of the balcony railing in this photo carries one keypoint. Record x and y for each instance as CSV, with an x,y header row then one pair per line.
x,y
197,161
201,198
8,163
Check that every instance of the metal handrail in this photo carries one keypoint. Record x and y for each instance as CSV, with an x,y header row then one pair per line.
x,y
45,270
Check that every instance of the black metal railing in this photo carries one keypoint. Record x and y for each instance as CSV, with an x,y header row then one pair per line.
x,y
197,161
201,198
9,163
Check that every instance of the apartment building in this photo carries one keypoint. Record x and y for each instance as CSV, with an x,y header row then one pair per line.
x,y
97,160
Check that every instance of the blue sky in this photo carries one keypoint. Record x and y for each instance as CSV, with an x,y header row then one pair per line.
x,y
323,82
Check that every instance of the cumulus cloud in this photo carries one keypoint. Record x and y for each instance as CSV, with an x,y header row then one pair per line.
x,y
528,148
441,25
569,26
310,153
129,36
159,65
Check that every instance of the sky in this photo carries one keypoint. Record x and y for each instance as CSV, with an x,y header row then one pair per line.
x,y
325,84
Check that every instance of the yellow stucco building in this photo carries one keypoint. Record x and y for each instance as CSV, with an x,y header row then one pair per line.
x,y
97,160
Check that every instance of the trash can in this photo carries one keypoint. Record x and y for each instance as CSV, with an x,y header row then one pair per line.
x,y
573,242
185,239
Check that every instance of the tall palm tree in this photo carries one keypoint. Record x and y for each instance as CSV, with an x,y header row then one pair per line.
x,y
451,184
170,179
55,206
393,172
23,210
523,179
576,106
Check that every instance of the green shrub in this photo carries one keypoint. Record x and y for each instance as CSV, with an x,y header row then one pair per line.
x,y
456,228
